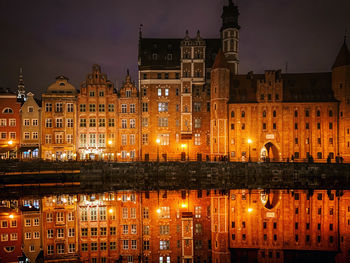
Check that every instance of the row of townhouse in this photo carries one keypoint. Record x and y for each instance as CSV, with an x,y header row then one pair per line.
x,y
178,226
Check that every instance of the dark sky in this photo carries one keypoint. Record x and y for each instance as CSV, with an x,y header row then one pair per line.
x,y
49,38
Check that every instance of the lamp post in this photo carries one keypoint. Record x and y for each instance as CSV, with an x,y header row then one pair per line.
x,y
249,143
158,142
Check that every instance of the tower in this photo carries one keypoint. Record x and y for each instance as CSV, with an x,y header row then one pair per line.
x,y
21,93
230,35
220,84
341,89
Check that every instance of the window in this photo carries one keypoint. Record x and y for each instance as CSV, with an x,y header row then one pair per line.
x,y
330,125
59,123
197,123
92,107
164,212
50,249
110,122
144,107
145,139
132,212
48,107
101,122
242,114
34,122
94,246
48,123
60,233
70,107
162,122
198,228
125,244
197,139
112,231
132,108
124,123
13,236
330,113
318,113
82,108
132,123
59,107
103,246
112,245
164,139
93,213
164,229
163,106
124,108
103,213
146,245
101,108
125,213
92,93
197,106
26,122
49,217
164,244
92,122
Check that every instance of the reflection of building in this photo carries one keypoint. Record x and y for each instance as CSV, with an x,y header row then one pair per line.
x,y
128,111
58,121
60,232
181,226
10,124
10,232
31,228
31,128
97,108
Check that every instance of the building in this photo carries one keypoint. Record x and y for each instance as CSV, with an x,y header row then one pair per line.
x,y
97,108
60,228
31,128
10,124
31,228
128,142
10,231
58,121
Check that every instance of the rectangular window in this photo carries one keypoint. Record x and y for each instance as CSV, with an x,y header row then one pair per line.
x,y
70,107
162,122
82,107
93,231
48,123
101,108
70,123
164,244
102,122
60,233
132,123
124,124
124,108
59,123
197,139
48,107
59,107
112,245
111,107
145,139
144,122
110,122
132,108
82,123
93,214
144,107
92,122
163,106
92,107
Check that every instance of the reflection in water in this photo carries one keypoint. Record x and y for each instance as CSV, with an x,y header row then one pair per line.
x,y
179,226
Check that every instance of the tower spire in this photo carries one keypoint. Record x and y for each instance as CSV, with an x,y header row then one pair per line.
x,y
21,93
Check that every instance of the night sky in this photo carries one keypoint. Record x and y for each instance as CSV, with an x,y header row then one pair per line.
x,y
49,38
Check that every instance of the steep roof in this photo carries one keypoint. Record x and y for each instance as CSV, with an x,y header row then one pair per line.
x,y
220,61
298,87
343,58
164,46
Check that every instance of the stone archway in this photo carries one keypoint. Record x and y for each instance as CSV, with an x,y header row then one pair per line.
x,y
270,152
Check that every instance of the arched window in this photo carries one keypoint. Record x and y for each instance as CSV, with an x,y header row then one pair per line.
x,y
243,114
274,114
318,113
330,113
307,113
296,113
7,111
264,113
232,114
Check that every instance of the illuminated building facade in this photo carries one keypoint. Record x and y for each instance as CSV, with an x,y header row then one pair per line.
x,y
58,121
128,121
97,117
10,124
31,128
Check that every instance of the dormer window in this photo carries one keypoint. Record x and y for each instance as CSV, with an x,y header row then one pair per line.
x,y
7,111
61,83
30,109
154,56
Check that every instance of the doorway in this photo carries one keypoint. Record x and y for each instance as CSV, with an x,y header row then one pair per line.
x,y
269,153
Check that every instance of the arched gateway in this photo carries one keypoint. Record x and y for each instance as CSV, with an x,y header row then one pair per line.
x,y
269,152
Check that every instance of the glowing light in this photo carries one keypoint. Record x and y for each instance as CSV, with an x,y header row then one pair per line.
x,y
183,205
183,146
250,141
110,142
53,155
10,142
250,209
111,211
158,211
158,141
11,216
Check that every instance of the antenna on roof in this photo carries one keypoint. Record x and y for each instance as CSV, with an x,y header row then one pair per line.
x,y
287,67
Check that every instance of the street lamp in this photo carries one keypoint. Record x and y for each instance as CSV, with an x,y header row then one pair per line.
x,y
158,142
249,143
